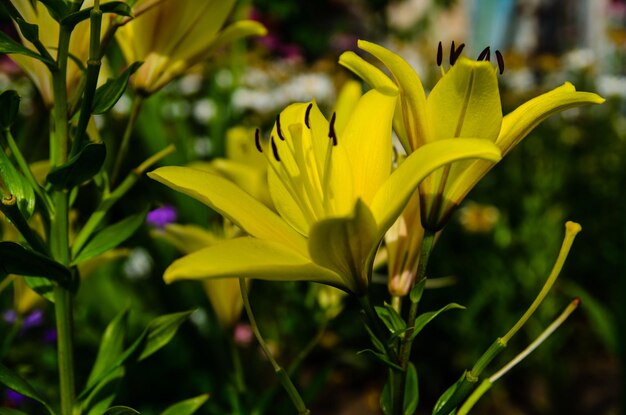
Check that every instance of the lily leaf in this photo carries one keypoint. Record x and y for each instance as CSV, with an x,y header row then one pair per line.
x,y
423,319
17,185
10,46
391,318
29,31
411,394
80,168
19,260
121,410
111,237
10,411
103,394
58,9
416,292
42,286
116,7
108,94
14,381
111,345
187,407
383,358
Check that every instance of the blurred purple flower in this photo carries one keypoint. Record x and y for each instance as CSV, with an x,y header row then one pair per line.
x,y
14,399
10,316
34,319
50,335
243,334
162,216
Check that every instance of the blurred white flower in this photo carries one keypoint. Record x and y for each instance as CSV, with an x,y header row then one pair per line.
x,y
204,110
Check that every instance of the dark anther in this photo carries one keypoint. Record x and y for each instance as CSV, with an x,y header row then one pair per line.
x,y
306,116
274,149
500,61
257,140
439,54
455,53
331,129
280,133
485,54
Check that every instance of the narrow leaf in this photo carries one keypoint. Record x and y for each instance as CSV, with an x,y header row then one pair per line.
x,y
14,381
10,411
411,390
423,319
17,185
121,410
103,394
58,9
15,259
29,31
416,292
10,46
109,93
42,286
383,358
116,7
391,318
111,345
80,168
186,407
161,330
110,237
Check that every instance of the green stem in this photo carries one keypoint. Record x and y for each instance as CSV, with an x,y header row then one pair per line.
x,y
240,382
59,232
123,149
407,339
283,377
470,378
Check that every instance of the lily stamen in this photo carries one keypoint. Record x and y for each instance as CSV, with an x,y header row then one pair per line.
x,y
274,149
331,129
278,129
455,52
306,116
257,140
485,54
500,61
439,54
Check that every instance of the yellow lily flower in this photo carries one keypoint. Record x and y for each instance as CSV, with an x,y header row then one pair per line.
x,y
173,35
335,196
465,102
36,13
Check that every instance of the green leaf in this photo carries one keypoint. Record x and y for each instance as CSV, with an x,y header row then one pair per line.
x,y
161,330
10,46
423,319
58,9
391,318
445,397
17,185
110,237
14,381
41,285
381,357
121,410
103,394
411,390
375,340
117,7
385,400
16,259
156,335
416,292
108,94
186,407
29,31
80,168
111,345
10,104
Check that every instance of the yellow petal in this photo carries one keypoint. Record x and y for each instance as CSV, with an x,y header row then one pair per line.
x,y
346,102
412,96
225,297
187,238
527,116
367,141
232,202
395,193
375,78
237,30
347,246
466,102
249,258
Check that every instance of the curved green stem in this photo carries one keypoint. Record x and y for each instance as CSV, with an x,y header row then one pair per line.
x,y
283,377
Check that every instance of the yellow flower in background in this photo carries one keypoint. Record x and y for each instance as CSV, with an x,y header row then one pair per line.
x,y
174,35
223,294
36,13
464,103
334,193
